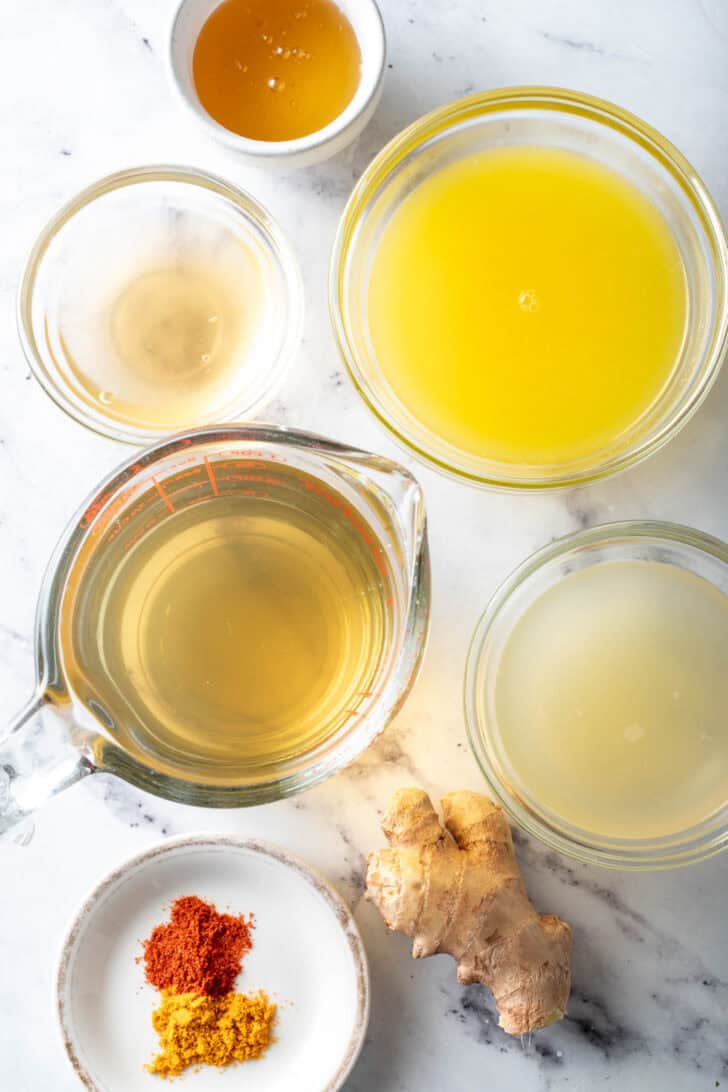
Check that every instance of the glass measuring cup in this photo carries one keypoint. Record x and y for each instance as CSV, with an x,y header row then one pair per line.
x,y
61,736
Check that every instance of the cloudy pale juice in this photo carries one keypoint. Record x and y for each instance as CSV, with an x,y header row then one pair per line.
x,y
611,695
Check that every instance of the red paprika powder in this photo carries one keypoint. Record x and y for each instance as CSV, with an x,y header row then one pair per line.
x,y
197,950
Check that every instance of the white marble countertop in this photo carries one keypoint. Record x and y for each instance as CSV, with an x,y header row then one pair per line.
x,y
84,93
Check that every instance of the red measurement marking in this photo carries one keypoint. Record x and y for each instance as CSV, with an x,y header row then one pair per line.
x,y
93,509
211,476
163,495
191,472
138,535
357,523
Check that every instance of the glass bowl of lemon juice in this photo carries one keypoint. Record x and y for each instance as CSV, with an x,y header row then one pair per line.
x,y
596,691
529,288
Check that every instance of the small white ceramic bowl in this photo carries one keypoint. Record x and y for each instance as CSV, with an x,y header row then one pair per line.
x,y
367,24
307,955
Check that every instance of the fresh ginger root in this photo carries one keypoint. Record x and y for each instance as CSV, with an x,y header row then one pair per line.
x,y
458,890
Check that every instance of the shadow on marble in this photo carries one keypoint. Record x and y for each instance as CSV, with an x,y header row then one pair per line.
x,y
680,482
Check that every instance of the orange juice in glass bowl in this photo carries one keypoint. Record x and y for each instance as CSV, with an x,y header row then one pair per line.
x,y
529,288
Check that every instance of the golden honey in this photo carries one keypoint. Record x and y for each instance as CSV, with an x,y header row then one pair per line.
x,y
276,69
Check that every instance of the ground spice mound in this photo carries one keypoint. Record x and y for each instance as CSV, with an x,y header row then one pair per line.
x,y
195,1030
198,951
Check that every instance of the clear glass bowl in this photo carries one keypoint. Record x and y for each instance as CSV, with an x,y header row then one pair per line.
x,y
81,272
578,123
668,543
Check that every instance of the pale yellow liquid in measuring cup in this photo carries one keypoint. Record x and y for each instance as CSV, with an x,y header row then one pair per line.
x,y
611,699
234,635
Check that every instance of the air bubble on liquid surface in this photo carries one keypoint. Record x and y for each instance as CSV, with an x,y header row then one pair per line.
x,y
276,84
528,300
106,397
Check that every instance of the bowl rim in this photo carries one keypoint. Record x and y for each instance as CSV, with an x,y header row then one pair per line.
x,y
615,853
562,101
257,846
365,95
246,207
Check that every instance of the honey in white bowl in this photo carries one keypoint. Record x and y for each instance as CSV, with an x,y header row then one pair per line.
x,y
276,70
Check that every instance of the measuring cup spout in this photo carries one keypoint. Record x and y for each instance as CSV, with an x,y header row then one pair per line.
x,y
38,758
405,495
401,502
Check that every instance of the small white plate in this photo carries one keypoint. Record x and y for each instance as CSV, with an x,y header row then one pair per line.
x,y
307,955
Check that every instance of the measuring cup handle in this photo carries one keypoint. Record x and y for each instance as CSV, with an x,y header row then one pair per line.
x,y
38,758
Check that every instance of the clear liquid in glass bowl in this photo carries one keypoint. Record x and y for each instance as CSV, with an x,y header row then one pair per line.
x,y
158,299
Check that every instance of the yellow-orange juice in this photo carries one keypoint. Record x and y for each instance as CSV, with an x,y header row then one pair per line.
x,y
527,304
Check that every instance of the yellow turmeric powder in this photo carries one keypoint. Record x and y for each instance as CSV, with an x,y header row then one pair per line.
x,y
197,1030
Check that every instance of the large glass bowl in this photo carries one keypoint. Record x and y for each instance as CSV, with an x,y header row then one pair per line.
x,y
552,118
667,543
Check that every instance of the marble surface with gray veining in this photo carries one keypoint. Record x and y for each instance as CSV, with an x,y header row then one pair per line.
x,y
84,92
